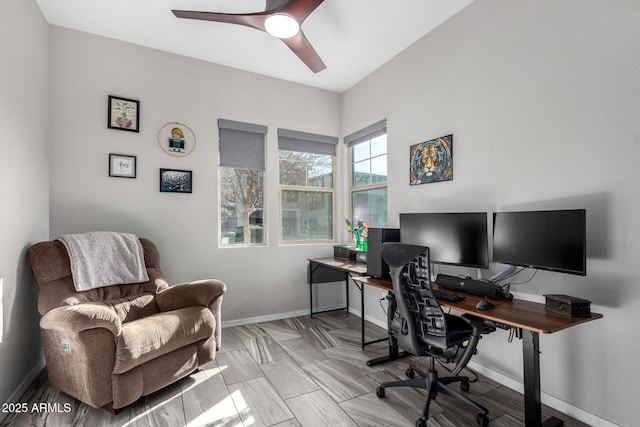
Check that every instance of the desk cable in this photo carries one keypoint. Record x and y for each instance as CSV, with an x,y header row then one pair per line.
x,y
507,285
384,309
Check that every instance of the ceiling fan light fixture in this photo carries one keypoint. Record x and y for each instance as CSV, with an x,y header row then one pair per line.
x,y
281,26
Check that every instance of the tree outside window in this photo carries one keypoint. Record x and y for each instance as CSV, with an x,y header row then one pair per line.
x,y
241,206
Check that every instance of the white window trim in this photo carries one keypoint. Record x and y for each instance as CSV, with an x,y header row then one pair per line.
x,y
285,187
372,186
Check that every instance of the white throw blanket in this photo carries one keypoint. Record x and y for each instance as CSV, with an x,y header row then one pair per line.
x,y
103,258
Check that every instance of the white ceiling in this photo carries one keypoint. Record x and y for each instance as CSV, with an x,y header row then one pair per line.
x,y
353,37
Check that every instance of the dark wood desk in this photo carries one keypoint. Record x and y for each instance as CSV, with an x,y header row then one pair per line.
x,y
323,270
530,320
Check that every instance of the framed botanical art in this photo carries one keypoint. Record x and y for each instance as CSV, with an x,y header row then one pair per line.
x,y
122,165
124,114
176,139
431,161
176,181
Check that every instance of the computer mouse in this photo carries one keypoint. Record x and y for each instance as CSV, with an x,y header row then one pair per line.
x,y
485,305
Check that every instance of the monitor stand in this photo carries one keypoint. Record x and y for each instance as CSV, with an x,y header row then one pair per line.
x,y
503,274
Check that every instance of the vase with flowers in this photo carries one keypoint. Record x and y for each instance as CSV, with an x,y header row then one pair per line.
x,y
359,229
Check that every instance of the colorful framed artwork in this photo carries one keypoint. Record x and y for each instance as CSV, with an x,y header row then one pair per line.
x,y
176,139
122,166
176,181
124,114
431,161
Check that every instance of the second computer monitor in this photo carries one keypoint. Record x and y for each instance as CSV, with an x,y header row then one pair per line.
x,y
554,240
455,238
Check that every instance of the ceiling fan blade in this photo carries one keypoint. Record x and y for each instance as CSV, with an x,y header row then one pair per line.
x,y
300,9
273,5
254,20
301,47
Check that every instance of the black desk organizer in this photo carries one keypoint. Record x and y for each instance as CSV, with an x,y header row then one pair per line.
x,y
567,305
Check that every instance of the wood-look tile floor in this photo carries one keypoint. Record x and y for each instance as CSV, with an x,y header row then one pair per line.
x,y
294,372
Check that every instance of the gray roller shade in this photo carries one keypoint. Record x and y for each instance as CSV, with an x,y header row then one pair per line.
x,y
241,144
293,140
370,132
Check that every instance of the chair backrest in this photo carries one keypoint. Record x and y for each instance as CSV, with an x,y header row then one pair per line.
x,y
422,325
54,284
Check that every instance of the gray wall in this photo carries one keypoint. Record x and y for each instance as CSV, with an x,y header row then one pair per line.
x,y
24,193
542,99
85,69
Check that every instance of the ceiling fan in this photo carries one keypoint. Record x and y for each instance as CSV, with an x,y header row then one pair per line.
x,y
281,19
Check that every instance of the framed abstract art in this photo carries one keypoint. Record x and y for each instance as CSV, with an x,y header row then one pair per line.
x,y
431,161
176,181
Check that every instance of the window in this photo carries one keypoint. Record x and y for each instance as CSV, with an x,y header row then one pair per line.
x,y
306,170
241,174
368,159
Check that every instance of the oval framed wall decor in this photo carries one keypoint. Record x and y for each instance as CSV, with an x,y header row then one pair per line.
x,y
176,139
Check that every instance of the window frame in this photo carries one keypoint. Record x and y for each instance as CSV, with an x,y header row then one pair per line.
x,y
233,161
367,187
288,187
264,211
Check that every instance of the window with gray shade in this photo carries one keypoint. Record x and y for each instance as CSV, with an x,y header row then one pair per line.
x,y
306,176
368,174
241,174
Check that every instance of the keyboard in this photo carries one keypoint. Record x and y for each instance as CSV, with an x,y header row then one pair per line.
x,y
447,296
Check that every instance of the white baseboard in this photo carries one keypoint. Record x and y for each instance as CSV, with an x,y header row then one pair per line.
x,y
272,317
552,402
24,385
375,321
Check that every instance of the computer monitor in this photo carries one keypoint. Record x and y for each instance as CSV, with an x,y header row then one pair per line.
x,y
552,240
458,238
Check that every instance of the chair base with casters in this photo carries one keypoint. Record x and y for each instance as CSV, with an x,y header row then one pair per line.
x,y
420,326
434,384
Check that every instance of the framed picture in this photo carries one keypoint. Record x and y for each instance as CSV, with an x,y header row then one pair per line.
x,y
122,165
431,161
176,139
175,181
124,114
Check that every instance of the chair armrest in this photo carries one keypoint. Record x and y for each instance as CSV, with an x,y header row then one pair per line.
x,y
205,293
81,317
197,293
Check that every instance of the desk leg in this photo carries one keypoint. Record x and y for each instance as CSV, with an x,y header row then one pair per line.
x,y
362,323
310,290
361,289
531,366
394,352
362,312
347,276
311,269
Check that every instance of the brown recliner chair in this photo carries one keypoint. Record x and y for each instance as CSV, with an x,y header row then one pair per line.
x,y
109,346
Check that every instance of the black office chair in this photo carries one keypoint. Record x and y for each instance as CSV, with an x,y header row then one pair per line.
x,y
422,328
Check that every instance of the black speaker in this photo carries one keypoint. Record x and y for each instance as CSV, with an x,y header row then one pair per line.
x,y
482,288
376,266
